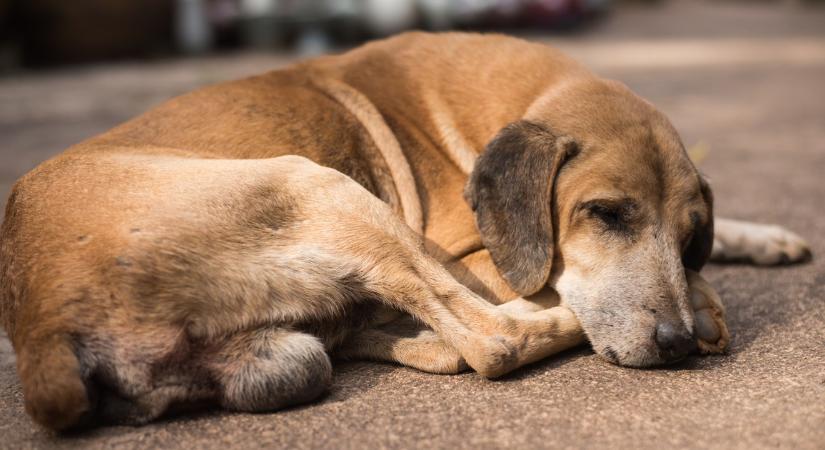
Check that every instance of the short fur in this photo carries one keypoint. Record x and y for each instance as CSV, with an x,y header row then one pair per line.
x,y
182,257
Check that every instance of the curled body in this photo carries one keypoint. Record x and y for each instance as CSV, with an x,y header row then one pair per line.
x,y
484,210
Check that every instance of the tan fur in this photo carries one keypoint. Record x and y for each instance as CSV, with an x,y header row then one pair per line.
x,y
399,169
184,257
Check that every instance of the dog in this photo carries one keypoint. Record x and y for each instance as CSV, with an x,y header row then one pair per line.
x,y
444,201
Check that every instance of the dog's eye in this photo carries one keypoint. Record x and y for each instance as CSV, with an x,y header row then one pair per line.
x,y
687,240
614,216
696,223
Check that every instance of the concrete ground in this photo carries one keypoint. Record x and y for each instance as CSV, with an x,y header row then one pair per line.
x,y
746,82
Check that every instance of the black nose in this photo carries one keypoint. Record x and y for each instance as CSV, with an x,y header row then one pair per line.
x,y
675,342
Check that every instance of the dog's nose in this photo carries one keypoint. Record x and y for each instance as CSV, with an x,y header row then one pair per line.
x,y
675,343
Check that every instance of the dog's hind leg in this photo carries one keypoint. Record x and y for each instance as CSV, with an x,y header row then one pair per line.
x,y
254,370
268,369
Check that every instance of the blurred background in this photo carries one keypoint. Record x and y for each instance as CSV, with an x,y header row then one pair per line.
x,y
50,32
70,69
47,33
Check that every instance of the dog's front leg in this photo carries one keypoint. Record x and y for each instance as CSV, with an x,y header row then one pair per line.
x,y
406,342
409,343
493,341
358,239
759,244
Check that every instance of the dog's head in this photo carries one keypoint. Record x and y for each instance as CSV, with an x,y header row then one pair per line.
x,y
594,194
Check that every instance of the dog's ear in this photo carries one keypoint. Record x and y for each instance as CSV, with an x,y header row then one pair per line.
x,y
700,246
511,193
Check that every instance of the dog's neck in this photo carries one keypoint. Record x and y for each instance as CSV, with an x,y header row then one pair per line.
x,y
450,111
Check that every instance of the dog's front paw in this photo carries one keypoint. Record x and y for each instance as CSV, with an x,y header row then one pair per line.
x,y
709,315
764,245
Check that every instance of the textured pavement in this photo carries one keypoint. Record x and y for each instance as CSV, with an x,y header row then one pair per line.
x,y
746,83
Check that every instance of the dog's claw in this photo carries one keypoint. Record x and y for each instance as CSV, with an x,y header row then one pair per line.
x,y
709,316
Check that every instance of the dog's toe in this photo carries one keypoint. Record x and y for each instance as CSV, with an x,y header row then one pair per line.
x,y
494,357
780,247
709,316
707,329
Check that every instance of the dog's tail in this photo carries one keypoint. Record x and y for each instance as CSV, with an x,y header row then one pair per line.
x,y
50,372
53,387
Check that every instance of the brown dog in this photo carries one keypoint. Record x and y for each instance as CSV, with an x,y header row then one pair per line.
x,y
183,257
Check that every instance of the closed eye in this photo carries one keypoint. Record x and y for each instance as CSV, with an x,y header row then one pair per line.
x,y
613,215
696,223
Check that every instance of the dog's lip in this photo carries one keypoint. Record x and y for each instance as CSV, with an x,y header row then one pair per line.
x,y
658,359
667,359
655,363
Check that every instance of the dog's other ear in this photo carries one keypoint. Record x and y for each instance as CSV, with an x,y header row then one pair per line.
x,y
700,246
511,193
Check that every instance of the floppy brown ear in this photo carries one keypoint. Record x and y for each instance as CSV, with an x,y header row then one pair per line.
x,y
700,246
511,193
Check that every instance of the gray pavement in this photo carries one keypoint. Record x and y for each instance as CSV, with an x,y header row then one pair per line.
x,y
747,82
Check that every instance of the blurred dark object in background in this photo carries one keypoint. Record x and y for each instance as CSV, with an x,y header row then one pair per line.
x,y
36,33
59,31
313,26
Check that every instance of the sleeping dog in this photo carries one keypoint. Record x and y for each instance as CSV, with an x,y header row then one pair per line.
x,y
444,201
